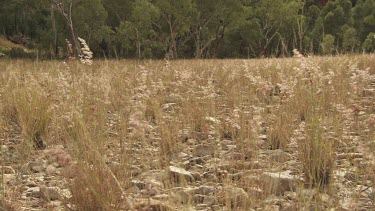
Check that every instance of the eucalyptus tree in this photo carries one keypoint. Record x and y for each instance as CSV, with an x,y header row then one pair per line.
x,y
176,21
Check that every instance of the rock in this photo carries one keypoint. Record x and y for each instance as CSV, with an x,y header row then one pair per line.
x,y
63,160
191,141
50,193
54,152
8,170
357,161
212,120
9,177
198,199
148,183
196,160
182,156
50,170
37,166
272,199
139,184
278,183
309,194
33,192
209,200
197,176
30,183
204,150
135,170
237,156
234,196
161,197
183,197
289,195
248,165
147,204
134,190
179,176
279,155
289,207
261,144
202,207
53,204
205,190
211,177
272,208
324,198
349,156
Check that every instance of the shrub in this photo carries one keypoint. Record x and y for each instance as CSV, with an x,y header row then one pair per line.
x,y
328,44
17,53
369,44
350,40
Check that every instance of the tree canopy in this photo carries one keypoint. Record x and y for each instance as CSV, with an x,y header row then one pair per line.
x,y
190,28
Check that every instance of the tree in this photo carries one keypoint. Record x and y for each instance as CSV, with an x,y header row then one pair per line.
x,y
90,17
138,34
335,18
211,23
177,20
369,44
364,18
328,44
65,9
190,28
350,40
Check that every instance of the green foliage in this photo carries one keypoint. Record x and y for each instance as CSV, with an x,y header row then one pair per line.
x,y
369,44
328,44
364,17
19,53
192,28
350,40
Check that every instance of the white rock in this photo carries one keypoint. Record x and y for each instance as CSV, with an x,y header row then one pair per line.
x,y
278,183
33,192
30,183
179,176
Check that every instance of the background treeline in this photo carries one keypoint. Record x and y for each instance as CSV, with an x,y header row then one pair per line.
x,y
190,28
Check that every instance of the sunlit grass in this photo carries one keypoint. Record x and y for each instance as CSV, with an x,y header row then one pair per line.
x,y
115,115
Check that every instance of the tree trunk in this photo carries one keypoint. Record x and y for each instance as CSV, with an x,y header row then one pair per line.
x,y
68,19
71,28
198,51
219,38
55,36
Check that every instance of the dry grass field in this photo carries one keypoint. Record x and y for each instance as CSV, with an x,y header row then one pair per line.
x,y
267,134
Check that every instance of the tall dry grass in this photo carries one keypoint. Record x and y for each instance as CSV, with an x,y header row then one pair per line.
x,y
121,118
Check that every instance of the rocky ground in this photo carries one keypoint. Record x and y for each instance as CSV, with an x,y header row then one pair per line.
x,y
205,173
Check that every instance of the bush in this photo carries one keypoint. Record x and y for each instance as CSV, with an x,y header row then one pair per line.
x,y
369,44
350,41
328,44
18,53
